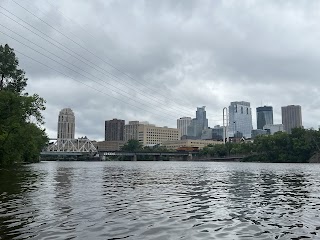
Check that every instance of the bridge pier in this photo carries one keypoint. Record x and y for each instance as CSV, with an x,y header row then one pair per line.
x,y
156,158
134,157
187,157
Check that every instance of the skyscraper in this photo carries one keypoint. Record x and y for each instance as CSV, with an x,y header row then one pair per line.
x,y
264,116
291,117
183,124
66,124
201,116
198,124
240,119
114,130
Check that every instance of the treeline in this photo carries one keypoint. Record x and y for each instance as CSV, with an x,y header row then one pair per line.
x,y
299,147
135,146
21,137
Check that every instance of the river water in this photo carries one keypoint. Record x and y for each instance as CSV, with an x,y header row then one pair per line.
x,y
160,200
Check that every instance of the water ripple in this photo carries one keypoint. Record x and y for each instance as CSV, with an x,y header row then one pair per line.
x,y
160,200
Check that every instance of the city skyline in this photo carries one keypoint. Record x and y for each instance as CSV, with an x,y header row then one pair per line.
x,y
115,127
153,68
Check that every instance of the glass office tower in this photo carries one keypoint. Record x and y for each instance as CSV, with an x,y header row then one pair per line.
x,y
264,116
240,119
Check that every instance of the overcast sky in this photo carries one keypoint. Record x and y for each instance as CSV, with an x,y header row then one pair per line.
x,y
157,61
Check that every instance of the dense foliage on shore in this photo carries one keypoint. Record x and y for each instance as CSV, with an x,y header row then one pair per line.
x,y
136,146
21,137
299,146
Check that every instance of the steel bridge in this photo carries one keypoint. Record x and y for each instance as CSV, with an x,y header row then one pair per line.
x,y
70,147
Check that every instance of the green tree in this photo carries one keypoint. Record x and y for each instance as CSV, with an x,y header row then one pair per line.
x,y
11,77
132,146
21,135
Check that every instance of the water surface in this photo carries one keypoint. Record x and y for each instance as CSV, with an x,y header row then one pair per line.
x,y
160,200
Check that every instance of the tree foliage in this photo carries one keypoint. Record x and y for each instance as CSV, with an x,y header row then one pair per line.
x,y
21,137
132,146
298,146
11,77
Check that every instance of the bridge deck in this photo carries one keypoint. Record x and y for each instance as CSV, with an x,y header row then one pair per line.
x,y
63,153
118,153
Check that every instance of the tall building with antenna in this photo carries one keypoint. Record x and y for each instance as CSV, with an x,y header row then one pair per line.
x,y
66,124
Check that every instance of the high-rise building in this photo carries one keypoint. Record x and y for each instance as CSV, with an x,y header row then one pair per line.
x,y
240,119
66,124
198,124
114,130
149,134
264,116
201,116
291,117
183,124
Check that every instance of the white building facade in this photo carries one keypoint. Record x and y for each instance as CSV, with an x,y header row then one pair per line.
x,y
66,124
183,124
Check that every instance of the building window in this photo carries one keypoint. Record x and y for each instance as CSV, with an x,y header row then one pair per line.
x,y
241,110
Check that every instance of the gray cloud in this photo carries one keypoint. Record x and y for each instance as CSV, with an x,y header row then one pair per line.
x,y
185,54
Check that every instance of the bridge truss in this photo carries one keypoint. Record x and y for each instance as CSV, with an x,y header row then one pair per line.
x,y
81,145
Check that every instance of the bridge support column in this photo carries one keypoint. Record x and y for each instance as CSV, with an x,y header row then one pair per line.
x,y
156,158
185,158
134,157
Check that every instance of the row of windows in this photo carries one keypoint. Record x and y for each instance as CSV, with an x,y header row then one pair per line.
x,y
163,135
241,110
162,138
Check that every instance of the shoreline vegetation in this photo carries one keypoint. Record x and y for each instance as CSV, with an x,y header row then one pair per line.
x,y
21,134
301,146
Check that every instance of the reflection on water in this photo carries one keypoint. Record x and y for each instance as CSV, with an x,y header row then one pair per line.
x,y
160,200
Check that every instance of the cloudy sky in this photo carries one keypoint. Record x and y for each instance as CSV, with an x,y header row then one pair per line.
x,y
157,61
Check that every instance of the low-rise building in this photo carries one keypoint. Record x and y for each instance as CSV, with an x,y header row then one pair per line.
x,y
149,134
173,145
258,132
215,133
110,145
273,128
